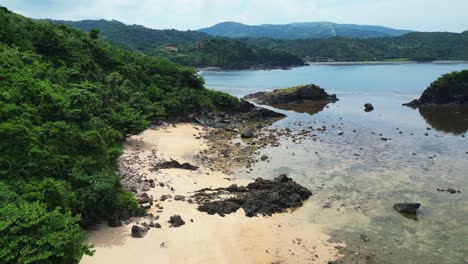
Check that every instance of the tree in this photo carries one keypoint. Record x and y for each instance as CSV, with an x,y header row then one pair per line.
x,y
94,33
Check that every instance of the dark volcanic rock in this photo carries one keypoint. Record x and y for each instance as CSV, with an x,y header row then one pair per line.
x,y
248,134
173,164
368,107
292,95
451,88
262,197
139,231
407,208
176,221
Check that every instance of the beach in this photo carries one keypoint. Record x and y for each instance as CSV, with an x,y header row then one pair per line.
x,y
281,238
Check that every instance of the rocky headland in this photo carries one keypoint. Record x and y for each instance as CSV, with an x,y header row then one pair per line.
x,y
450,89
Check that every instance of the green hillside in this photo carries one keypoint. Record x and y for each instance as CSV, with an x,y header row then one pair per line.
x,y
189,48
412,46
67,102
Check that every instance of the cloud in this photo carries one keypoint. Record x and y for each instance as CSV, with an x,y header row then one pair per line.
x,y
424,15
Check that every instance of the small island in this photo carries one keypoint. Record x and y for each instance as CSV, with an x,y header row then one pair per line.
x,y
450,89
298,94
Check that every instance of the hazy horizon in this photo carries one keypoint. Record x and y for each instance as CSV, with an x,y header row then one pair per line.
x,y
417,15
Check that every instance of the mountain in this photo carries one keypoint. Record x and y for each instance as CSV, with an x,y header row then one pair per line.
x,y
67,102
417,46
189,48
308,30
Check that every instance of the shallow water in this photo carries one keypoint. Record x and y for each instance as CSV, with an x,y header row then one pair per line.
x,y
357,176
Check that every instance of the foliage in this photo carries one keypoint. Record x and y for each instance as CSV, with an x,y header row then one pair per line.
x,y
450,88
32,234
67,101
412,46
188,48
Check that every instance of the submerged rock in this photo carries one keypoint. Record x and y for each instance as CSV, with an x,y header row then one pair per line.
x,y
292,95
407,208
262,197
139,231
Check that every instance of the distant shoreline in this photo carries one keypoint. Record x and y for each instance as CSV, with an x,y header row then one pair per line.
x,y
334,63
338,63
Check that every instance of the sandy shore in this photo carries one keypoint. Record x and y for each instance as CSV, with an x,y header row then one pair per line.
x,y
283,238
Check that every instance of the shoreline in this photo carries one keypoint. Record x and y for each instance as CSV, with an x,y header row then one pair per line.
x,y
334,63
340,63
286,237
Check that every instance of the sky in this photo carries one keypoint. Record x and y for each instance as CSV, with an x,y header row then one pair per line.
x,y
419,15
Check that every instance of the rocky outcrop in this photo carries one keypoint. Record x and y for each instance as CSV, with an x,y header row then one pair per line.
x,y
176,221
297,94
261,197
407,208
173,164
451,88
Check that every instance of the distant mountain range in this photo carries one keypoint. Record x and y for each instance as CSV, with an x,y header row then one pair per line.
x,y
199,49
308,30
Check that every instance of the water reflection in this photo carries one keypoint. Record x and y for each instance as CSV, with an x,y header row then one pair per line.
x,y
450,119
309,107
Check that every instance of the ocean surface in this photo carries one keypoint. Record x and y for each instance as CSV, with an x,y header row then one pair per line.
x,y
355,176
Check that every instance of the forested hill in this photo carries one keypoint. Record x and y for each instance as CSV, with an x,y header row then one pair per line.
x,y
67,102
189,48
416,46
306,30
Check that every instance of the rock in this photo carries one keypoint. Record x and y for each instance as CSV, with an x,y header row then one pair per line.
x,y
173,164
292,95
264,157
145,206
452,191
144,198
165,197
139,231
179,198
364,238
408,208
157,225
368,107
176,221
261,197
248,134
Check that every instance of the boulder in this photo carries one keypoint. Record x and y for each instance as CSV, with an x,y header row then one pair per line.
x,y
407,208
139,231
248,134
368,107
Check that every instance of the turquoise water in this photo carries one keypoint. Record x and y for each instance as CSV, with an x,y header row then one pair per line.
x,y
358,177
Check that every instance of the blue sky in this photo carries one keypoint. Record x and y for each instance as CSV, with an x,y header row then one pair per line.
x,y
422,15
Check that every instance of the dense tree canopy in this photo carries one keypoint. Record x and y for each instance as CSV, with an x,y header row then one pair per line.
x,y
416,46
67,101
190,48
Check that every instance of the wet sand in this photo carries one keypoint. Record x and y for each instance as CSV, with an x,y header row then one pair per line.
x,y
282,238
